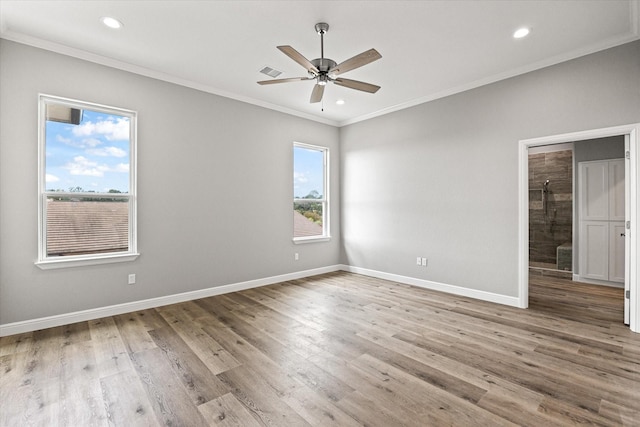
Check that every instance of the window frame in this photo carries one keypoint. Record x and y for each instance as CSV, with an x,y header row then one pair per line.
x,y
50,262
326,234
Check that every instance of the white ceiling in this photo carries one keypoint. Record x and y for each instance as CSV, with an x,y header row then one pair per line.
x,y
429,49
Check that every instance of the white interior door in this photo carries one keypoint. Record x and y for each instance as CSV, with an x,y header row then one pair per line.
x,y
628,199
594,191
616,190
594,250
616,251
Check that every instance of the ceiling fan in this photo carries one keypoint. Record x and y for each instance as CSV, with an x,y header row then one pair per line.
x,y
324,70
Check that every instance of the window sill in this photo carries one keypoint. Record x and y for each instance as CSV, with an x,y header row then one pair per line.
x,y
68,262
303,240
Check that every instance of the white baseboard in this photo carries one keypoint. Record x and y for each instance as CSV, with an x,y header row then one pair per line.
x,y
436,286
113,310
97,313
578,278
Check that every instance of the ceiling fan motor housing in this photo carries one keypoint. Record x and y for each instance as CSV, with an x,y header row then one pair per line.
x,y
324,64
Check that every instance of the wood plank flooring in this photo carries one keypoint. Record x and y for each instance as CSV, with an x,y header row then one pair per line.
x,y
337,349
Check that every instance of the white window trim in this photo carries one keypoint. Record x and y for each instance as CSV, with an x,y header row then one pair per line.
x,y
310,239
326,228
45,262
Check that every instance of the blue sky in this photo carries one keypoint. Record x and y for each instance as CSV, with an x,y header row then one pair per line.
x,y
307,171
93,155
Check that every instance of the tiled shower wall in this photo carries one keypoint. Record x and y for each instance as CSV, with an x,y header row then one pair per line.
x,y
553,229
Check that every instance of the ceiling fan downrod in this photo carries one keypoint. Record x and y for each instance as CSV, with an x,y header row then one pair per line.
x,y
322,28
322,79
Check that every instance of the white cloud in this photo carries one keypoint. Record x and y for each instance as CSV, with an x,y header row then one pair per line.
x,y
51,178
107,152
85,167
299,177
110,129
64,140
91,142
86,142
121,167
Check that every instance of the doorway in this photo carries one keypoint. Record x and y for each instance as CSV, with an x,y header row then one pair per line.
x,y
561,203
632,148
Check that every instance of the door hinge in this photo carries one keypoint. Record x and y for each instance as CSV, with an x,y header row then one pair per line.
x,y
627,154
627,294
628,225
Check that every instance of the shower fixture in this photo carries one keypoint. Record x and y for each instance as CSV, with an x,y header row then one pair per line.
x,y
545,199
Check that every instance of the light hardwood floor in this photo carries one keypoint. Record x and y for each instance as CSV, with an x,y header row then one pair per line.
x,y
336,349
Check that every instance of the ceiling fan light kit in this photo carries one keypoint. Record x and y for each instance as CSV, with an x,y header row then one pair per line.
x,y
324,70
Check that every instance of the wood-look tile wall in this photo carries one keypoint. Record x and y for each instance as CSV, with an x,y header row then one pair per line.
x,y
547,232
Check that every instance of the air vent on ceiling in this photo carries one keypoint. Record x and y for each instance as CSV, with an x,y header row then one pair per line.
x,y
270,72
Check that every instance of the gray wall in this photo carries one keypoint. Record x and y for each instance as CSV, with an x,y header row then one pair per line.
x,y
597,149
439,180
214,186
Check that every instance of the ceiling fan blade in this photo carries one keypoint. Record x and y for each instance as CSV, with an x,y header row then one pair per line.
x,y
297,56
291,79
355,84
357,61
316,95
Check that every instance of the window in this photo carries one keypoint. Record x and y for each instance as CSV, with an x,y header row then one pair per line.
x,y
310,193
87,200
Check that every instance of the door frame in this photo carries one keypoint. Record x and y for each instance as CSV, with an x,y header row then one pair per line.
x,y
632,166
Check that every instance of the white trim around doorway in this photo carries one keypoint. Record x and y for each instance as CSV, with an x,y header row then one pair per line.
x,y
633,131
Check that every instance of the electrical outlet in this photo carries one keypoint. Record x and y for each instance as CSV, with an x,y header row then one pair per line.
x,y
419,261
424,262
132,279
296,256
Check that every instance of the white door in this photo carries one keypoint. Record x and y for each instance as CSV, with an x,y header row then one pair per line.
x,y
602,215
627,239
594,250
616,190
594,190
616,251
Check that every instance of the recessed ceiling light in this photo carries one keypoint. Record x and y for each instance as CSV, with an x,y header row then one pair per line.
x,y
111,22
521,32
340,102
